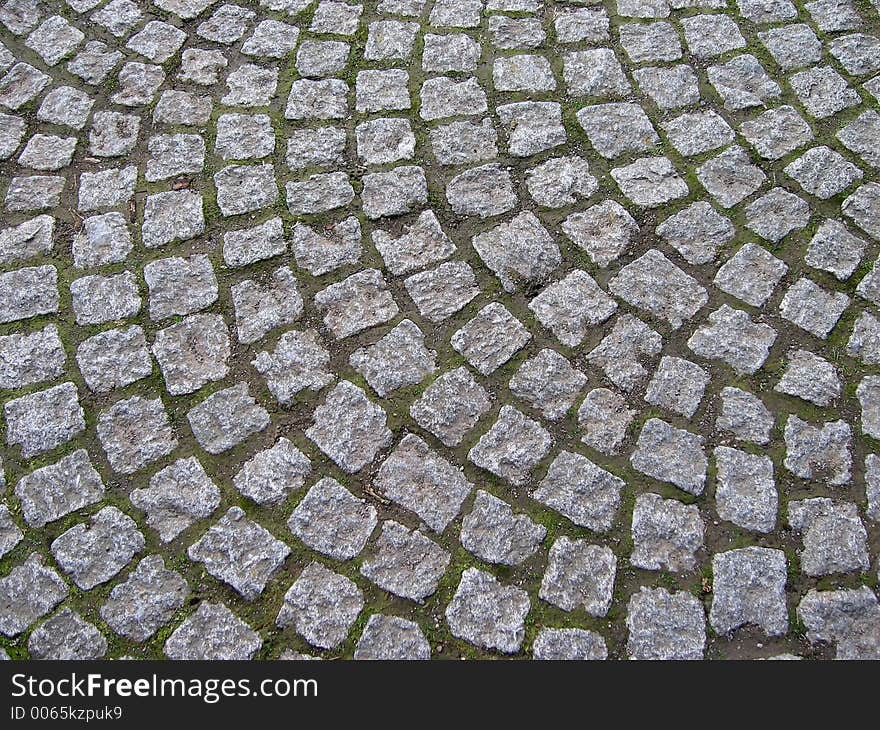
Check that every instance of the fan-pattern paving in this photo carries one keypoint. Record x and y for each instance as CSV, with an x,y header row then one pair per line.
x,y
439,328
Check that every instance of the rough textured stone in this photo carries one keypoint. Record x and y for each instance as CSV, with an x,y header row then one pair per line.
x,y
496,534
568,644
349,428
146,601
513,445
240,552
177,496
51,492
92,554
212,632
405,562
579,575
226,418
487,613
418,479
392,638
748,587
66,636
664,625
321,606
671,455
29,591
745,492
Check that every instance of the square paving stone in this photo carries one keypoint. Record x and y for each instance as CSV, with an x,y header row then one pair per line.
x,y
271,475
349,428
212,632
177,496
240,552
491,338
580,490
56,490
405,562
180,286
666,534
261,306
331,520
451,406
192,352
114,358
321,606
748,587
745,493
572,307
487,613
135,432
512,447
226,418
93,553
356,303
549,383
579,575
299,361
671,455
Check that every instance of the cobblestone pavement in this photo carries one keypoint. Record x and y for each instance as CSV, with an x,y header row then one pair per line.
x,y
440,328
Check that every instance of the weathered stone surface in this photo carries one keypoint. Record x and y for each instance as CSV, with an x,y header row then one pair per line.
x,y
226,418
146,601
579,575
51,492
66,636
331,520
451,406
398,359
114,358
321,606
356,303
622,351
748,587
272,474
731,336
28,592
549,383
666,534
177,496
834,537
664,625
491,338
604,418
43,420
349,428
850,619
298,362
569,644
392,638
213,632
677,385
416,478
512,447
240,552
520,250
135,432
496,534
193,352
822,453
487,613
671,455
405,562
571,307
653,283
745,492
751,274
92,554
581,491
